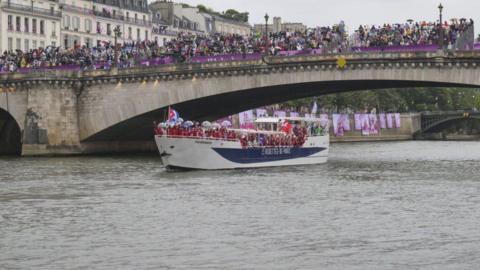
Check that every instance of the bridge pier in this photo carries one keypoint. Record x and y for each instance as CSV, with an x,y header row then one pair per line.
x,y
51,121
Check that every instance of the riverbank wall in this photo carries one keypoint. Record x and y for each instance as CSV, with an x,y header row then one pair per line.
x,y
410,124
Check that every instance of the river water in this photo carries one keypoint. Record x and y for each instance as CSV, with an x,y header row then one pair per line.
x,y
395,205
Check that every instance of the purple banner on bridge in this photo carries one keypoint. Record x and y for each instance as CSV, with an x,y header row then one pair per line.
x,y
398,121
341,123
410,48
261,113
389,120
358,121
383,120
225,57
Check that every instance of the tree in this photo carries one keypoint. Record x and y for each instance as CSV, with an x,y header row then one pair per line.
x,y
235,15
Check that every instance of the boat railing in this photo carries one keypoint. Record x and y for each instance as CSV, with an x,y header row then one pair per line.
x,y
200,138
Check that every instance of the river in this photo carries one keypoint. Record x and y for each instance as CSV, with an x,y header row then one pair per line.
x,y
391,205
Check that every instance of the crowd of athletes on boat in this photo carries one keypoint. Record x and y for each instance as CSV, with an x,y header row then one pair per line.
x,y
186,45
288,134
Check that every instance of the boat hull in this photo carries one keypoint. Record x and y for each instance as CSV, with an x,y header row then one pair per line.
x,y
210,154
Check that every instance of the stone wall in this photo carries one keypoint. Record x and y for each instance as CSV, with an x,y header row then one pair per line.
x,y
410,124
51,121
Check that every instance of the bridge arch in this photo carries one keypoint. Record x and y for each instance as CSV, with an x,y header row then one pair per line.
x,y
122,105
440,123
210,107
10,134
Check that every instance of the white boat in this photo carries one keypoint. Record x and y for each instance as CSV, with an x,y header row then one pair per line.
x,y
305,141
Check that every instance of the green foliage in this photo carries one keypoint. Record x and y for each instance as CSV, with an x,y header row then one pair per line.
x,y
229,13
235,15
396,100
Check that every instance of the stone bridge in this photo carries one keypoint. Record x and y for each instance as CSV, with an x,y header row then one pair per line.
x,y
59,112
435,121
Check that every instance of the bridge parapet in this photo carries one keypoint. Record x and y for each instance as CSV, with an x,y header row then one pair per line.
x,y
388,60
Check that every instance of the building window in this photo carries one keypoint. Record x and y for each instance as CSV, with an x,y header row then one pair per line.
x,y
136,17
146,34
66,21
27,45
65,41
34,26
109,30
18,25
19,44
42,44
26,24
129,32
99,28
88,25
10,23
88,42
128,15
54,29
144,19
54,44
34,44
10,44
42,27
76,23
138,34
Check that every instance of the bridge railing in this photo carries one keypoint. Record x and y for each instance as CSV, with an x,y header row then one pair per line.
x,y
169,64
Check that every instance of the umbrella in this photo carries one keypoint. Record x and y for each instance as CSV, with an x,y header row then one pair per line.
x,y
188,124
206,124
216,125
179,120
226,123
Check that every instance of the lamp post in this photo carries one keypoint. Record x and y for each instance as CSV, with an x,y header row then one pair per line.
x,y
266,33
117,33
440,28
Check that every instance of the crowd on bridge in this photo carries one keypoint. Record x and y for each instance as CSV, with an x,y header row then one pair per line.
x,y
410,33
186,46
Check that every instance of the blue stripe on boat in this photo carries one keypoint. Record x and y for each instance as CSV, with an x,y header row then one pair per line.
x,y
255,155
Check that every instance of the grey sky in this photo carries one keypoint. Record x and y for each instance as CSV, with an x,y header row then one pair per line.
x,y
353,12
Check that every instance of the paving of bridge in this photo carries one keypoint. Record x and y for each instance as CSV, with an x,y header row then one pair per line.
x,y
73,110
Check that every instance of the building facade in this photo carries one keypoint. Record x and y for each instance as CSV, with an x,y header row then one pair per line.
x,y
279,26
184,18
29,24
228,26
178,17
78,23
91,22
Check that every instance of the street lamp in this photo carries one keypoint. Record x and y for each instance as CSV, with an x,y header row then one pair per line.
x,y
440,28
266,33
117,33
